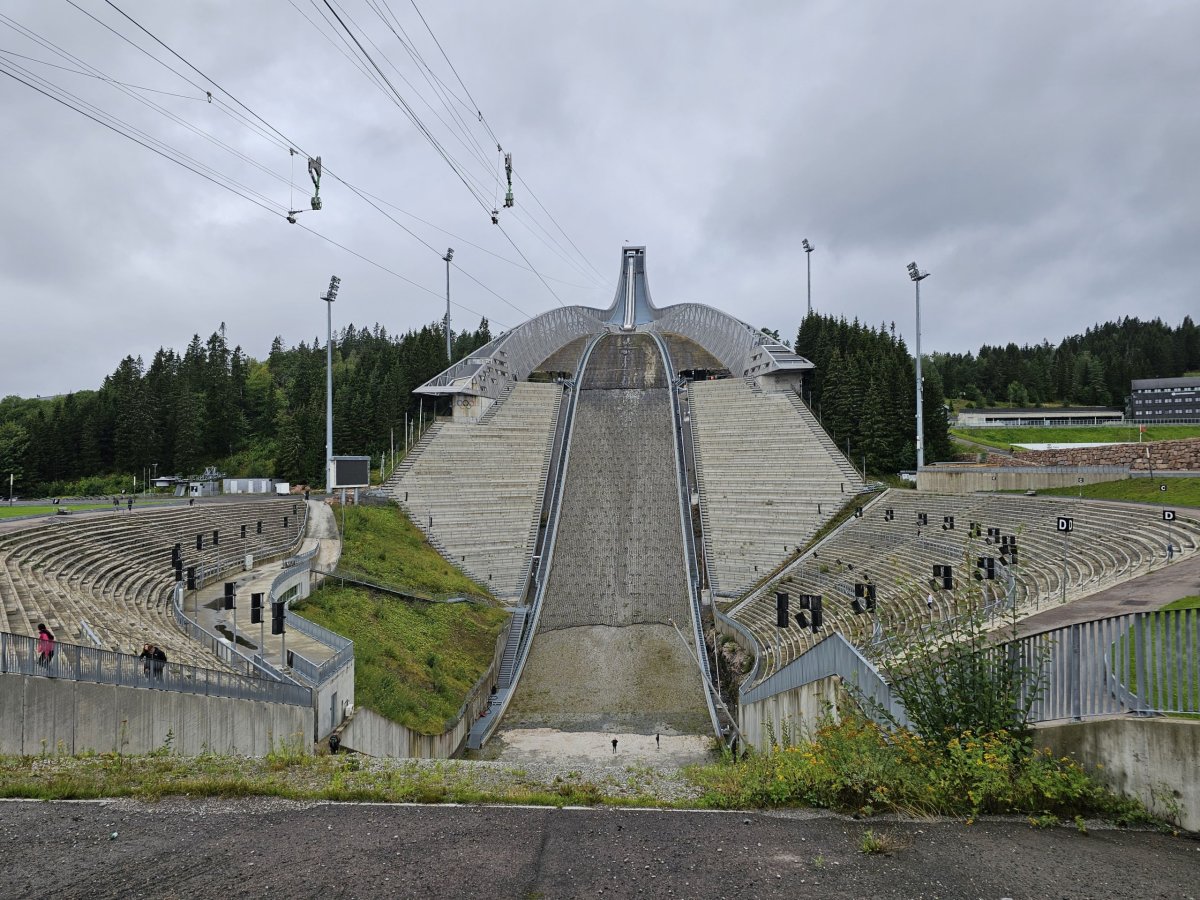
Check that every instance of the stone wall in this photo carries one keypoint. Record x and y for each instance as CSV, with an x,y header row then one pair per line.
x,y
1167,456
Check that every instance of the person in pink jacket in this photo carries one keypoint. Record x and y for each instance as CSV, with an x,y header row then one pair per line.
x,y
45,645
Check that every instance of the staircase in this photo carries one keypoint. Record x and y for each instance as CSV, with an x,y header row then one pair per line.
x,y
508,661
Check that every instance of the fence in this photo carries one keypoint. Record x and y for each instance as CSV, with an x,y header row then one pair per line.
x,y
1140,663
314,673
71,662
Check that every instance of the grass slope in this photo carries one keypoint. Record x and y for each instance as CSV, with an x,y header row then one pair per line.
x,y
1003,438
414,661
383,544
1179,492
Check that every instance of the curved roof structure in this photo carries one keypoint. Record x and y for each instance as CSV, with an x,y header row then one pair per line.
x,y
741,348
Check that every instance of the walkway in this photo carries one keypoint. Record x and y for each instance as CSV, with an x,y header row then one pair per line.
x,y
206,604
1144,594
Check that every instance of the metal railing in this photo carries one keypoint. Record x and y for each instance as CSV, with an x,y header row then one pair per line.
x,y
221,648
315,673
690,563
1140,663
71,662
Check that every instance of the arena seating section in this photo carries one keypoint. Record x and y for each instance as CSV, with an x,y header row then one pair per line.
x,y
113,570
481,485
1110,543
769,477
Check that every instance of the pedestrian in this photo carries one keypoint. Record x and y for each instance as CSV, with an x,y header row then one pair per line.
x,y
45,645
160,662
614,742
658,742
147,656
130,501
929,602
191,501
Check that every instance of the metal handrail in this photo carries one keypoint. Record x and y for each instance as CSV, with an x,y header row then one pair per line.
x,y
73,662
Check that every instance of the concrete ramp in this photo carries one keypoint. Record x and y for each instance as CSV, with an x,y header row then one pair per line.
x,y
605,658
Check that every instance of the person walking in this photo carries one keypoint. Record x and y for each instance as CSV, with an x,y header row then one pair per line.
x,y
614,743
160,662
45,645
146,656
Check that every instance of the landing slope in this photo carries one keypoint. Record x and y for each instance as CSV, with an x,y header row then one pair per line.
x,y
605,656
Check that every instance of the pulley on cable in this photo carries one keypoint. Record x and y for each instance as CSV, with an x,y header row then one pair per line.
x,y
508,198
314,172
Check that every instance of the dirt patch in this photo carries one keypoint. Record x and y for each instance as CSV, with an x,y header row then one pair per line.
x,y
636,679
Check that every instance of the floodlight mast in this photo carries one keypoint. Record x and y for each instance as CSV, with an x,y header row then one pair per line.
x,y
917,276
808,249
330,296
449,256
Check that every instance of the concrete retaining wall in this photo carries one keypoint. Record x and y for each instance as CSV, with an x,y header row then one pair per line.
x,y
370,733
1154,760
797,712
330,699
48,715
964,480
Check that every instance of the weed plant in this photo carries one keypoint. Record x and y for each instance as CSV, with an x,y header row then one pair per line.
x,y
858,765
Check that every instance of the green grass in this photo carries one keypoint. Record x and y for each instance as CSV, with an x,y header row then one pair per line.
x,y
1179,492
1183,603
46,509
297,776
382,544
1003,438
414,662
1159,643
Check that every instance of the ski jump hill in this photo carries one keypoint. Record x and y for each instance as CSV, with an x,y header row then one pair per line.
x,y
607,472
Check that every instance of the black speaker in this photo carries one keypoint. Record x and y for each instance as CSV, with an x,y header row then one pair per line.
x,y
781,609
803,600
285,518
818,615
191,578
889,514
860,590
858,512
277,616
947,523
256,608
293,509
259,527
199,542
975,530
243,532
230,593
176,553
801,620
871,597
178,567
857,606
216,537
289,659
922,518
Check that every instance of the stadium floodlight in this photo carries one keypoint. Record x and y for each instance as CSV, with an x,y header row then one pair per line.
x,y
917,276
330,296
448,257
808,249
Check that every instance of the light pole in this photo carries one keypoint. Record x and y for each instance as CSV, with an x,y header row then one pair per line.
x,y
449,256
917,277
808,249
330,296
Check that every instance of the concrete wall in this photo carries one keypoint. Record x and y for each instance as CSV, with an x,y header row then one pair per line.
x,y
49,715
370,733
967,480
330,699
798,712
1155,760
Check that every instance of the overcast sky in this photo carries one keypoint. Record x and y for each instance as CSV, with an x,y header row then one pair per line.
x,y
1040,159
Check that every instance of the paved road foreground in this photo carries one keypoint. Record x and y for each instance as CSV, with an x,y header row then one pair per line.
x,y
273,848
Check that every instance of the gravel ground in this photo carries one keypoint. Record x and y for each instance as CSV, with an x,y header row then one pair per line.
x,y
264,847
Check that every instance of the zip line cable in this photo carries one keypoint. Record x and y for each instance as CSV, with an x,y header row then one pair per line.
x,y
283,137
4,70
136,87
285,141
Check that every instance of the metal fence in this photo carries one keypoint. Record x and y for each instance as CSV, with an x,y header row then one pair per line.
x,y
1139,663
71,662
